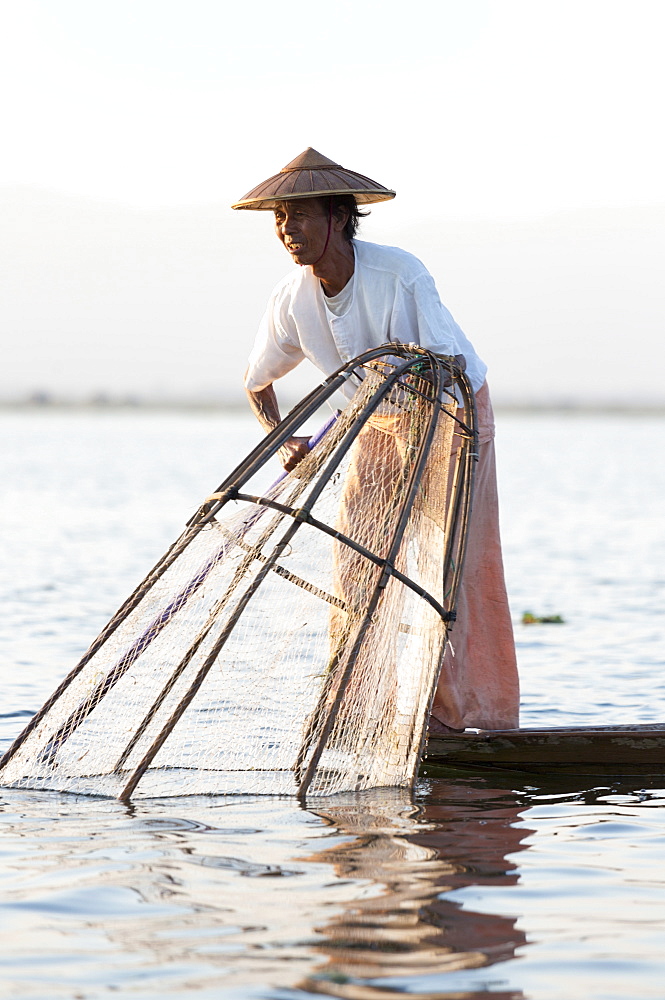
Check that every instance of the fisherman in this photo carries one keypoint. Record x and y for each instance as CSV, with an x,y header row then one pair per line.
x,y
346,297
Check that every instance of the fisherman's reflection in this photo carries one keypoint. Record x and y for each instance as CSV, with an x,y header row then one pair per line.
x,y
403,925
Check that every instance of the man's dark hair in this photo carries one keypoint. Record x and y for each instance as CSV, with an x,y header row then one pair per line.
x,y
348,202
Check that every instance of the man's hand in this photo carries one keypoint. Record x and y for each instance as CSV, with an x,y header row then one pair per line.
x,y
459,360
293,451
461,363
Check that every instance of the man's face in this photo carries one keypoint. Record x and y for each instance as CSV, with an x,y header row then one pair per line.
x,y
302,226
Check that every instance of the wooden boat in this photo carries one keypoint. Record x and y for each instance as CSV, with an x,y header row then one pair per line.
x,y
611,751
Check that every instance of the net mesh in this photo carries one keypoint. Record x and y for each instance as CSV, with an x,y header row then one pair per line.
x,y
290,641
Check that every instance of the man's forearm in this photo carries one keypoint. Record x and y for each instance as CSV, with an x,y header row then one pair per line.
x,y
266,410
265,407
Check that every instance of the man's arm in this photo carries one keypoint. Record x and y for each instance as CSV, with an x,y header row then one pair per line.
x,y
266,410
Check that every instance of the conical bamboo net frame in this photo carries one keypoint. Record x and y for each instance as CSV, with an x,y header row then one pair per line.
x,y
293,646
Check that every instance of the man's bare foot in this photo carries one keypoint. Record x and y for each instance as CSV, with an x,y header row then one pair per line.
x,y
436,728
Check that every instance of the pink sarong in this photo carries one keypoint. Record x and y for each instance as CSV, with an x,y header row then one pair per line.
x,y
479,685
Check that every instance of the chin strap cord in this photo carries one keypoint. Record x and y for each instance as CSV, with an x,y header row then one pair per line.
x,y
330,203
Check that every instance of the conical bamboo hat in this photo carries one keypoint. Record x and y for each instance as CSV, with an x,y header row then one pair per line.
x,y
313,175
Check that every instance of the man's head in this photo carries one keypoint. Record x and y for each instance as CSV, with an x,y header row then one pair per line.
x,y
308,227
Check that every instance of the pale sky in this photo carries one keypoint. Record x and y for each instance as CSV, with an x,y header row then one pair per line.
x,y
527,115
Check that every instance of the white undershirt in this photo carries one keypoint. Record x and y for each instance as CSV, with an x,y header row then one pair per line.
x,y
338,304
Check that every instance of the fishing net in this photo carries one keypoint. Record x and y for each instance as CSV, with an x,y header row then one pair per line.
x,y
290,640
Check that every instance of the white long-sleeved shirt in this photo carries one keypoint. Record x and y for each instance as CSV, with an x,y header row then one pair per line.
x,y
392,298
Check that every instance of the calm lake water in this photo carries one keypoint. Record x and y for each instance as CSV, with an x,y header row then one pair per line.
x,y
472,888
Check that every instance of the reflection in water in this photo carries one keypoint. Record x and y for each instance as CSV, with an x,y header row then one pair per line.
x,y
401,927
228,896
